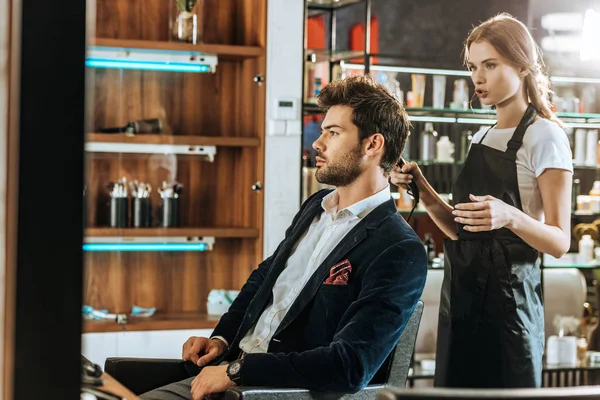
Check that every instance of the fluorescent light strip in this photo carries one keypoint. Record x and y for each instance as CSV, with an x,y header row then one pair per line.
x,y
148,148
427,71
583,125
153,66
479,121
574,80
144,247
453,72
419,118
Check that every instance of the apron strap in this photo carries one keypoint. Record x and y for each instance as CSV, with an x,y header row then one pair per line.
x,y
515,142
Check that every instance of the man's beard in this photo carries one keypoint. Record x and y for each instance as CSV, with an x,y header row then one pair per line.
x,y
341,172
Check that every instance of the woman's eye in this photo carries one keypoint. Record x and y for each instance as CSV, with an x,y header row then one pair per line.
x,y
490,66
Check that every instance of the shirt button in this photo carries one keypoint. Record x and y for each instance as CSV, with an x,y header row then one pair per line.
x,y
256,341
295,290
312,260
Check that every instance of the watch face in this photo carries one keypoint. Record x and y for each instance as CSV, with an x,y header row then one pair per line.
x,y
234,368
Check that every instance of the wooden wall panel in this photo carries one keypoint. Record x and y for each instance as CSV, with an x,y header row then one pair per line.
x,y
221,104
171,282
217,194
227,104
223,21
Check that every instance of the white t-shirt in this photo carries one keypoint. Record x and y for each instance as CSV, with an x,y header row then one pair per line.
x,y
545,145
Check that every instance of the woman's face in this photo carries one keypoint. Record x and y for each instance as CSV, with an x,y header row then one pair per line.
x,y
496,81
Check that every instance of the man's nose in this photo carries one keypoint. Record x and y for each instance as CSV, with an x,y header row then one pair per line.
x,y
318,145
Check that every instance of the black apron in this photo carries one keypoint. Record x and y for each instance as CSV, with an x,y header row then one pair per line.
x,y
491,321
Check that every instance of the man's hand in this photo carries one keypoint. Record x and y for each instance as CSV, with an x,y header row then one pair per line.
x,y
202,351
211,380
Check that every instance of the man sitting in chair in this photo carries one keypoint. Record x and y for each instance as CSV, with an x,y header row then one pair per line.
x,y
328,307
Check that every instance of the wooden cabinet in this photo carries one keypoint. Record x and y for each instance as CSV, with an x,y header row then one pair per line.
x,y
225,109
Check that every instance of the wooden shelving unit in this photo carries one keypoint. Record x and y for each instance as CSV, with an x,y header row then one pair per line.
x,y
225,109
224,233
164,321
225,52
220,141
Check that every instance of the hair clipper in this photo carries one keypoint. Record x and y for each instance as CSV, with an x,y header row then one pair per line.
x,y
413,190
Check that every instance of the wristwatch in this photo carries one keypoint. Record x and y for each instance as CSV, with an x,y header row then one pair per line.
x,y
234,370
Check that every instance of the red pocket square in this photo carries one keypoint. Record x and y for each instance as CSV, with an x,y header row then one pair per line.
x,y
339,274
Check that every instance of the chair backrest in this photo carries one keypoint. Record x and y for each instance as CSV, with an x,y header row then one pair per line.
x,y
567,393
402,356
427,337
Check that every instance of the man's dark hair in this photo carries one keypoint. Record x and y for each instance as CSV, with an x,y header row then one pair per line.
x,y
375,110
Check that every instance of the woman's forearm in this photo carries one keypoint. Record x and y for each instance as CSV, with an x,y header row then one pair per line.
x,y
439,211
544,238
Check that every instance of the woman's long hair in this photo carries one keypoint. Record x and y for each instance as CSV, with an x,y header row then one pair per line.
x,y
511,38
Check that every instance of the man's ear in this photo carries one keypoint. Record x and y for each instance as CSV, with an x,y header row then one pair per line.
x,y
374,144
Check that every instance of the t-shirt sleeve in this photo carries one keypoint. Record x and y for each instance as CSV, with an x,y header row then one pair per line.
x,y
550,149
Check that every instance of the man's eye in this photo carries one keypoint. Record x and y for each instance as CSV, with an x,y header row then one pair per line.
x,y
333,133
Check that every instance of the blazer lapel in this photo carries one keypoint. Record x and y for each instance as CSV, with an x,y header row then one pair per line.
x,y
264,294
351,240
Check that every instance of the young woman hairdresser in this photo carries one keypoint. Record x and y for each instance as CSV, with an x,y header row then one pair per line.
x,y
512,200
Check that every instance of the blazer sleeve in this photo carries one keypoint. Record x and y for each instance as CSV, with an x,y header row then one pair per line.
x,y
368,331
230,321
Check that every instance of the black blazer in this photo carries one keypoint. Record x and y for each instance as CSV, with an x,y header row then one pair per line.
x,y
333,338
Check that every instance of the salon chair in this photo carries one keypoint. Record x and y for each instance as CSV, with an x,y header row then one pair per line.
x,y
573,393
143,375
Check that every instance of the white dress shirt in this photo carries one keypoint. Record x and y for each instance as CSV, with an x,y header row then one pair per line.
x,y
325,232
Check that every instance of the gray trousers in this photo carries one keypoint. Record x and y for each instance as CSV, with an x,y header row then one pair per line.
x,y
173,391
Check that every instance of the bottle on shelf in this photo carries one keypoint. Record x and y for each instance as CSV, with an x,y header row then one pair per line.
x,y
586,249
428,142
580,153
429,247
465,143
406,151
460,96
575,193
591,150
318,87
595,197
445,150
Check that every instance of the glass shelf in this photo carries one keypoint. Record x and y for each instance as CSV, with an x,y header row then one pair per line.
x,y
431,163
475,116
325,55
585,214
590,167
399,63
583,266
318,7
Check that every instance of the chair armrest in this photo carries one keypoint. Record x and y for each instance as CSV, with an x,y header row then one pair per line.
x,y
269,393
141,375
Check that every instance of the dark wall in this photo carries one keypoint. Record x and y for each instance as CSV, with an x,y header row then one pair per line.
x,y
426,32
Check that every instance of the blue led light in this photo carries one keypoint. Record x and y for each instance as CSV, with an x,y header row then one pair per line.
x,y
146,65
144,247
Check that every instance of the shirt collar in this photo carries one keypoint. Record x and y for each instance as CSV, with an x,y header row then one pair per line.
x,y
359,209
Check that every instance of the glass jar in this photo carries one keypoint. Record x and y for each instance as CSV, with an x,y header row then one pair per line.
x,y
186,21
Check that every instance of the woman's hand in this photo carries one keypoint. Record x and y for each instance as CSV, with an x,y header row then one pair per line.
x,y
485,213
405,175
